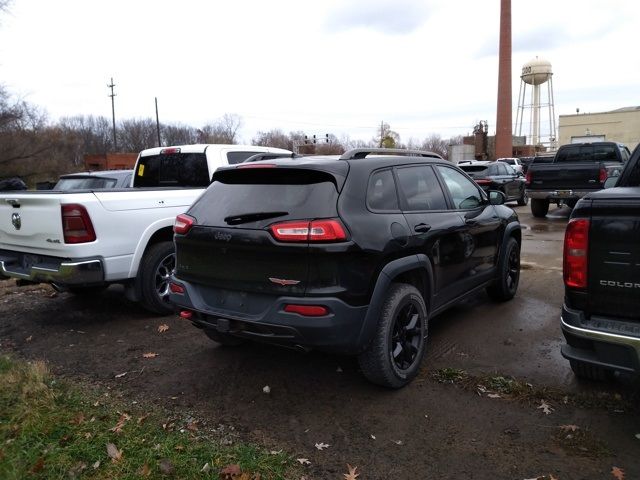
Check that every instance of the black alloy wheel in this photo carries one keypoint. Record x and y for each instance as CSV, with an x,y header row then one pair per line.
x,y
407,336
513,270
506,284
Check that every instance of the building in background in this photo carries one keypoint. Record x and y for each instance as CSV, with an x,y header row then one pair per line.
x,y
110,161
621,125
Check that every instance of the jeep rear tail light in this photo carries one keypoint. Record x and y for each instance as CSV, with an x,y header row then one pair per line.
x,y
603,175
183,224
307,310
76,224
328,230
576,249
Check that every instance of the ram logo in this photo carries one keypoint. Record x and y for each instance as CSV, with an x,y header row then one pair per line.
x,y
16,220
613,283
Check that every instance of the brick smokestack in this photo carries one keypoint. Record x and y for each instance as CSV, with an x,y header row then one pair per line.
x,y
504,142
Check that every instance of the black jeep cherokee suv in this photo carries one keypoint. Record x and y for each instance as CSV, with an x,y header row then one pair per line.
x,y
349,254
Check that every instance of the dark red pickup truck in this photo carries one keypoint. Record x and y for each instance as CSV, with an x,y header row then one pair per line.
x,y
601,312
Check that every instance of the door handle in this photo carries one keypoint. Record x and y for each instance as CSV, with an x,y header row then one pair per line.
x,y
422,228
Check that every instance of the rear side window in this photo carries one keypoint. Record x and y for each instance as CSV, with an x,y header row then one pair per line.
x,y
420,189
381,192
463,191
173,170
86,183
256,198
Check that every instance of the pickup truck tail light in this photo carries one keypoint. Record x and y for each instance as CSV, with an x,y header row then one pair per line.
x,y
183,224
576,250
528,178
602,177
76,224
328,230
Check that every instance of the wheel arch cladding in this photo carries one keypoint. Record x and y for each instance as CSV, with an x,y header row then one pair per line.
x,y
415,270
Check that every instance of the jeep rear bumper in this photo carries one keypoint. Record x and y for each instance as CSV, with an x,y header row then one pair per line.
x,y
262,317
605,342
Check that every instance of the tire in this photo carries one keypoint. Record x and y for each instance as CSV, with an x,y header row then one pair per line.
x,y
152,282
539,207
402,330
223,338
587,371
524,198
506,284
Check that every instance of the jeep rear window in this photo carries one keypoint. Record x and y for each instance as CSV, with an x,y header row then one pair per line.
x,y
173,170
295,194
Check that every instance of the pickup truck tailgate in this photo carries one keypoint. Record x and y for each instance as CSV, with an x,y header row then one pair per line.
x,y
30,220
561,176
614,254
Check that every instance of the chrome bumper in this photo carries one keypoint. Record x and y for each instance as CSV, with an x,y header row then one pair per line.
x,y
557,194
51,269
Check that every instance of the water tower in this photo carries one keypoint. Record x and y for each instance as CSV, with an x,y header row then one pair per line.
x,y
533,104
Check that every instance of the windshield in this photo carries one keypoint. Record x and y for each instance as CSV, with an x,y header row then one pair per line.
x,y
85,183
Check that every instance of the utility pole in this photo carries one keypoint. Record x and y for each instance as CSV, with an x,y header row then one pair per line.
x,y
158,123
381,132
113,114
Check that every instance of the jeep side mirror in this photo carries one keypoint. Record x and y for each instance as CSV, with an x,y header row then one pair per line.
x,y
496,197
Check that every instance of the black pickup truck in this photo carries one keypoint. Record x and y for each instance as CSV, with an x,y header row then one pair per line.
x,y
576,170
601,312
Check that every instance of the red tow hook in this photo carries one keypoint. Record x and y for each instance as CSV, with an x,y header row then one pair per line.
x,y
186,314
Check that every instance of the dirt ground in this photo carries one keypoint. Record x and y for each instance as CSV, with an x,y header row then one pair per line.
x,y
428,430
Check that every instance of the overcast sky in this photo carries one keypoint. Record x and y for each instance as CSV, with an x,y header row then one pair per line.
x,y
332,66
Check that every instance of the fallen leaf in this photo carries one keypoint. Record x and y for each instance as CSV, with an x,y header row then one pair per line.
x,y
552,477
353,473
266,389
275,452
373,437
124,418
192,426
88,435
78,419
206,468
145,471
569,428
120,375
178,448
618,473
303,461
29,338
38,466
494,395
149,355
77,469
546,408
142,418
163,328
96,465
230,472
166,467
638,436
322,446
113,452
397,442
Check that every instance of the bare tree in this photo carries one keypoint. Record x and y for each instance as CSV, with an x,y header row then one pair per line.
x,y
436,144
178,135
224,130
273,138
135,135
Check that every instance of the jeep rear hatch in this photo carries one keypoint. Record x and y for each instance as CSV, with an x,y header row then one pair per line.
x,y
252,229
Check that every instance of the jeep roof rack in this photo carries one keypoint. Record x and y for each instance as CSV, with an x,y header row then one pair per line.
x,y
357,153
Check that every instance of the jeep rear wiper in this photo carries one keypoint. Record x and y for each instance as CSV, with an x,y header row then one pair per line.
x,y
252,217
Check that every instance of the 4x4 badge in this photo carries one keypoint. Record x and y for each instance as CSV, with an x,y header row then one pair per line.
x,y
283,282
16,220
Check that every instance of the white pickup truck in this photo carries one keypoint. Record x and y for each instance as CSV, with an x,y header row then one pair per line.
x,y
84,240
